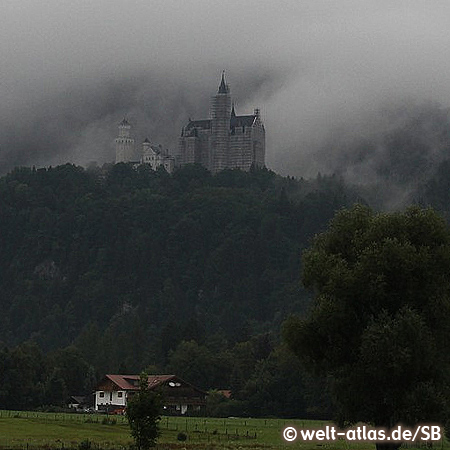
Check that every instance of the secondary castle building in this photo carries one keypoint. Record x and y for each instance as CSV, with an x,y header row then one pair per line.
x,y
149,153
224,141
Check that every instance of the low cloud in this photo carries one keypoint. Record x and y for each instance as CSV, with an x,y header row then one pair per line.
x,y
330,78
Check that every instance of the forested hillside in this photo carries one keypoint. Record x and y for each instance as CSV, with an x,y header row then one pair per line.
x,y
117,269
133,268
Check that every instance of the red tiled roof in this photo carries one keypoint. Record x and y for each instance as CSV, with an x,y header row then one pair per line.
x,y
225,392
131,382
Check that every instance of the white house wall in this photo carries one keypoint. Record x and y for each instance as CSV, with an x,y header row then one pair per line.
x,y
110,398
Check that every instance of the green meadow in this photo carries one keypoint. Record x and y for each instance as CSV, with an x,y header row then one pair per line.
x,y
32,430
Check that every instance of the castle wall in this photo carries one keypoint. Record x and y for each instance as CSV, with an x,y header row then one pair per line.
x,y
241,149
194,149
258,144
189,150
181,150
205,151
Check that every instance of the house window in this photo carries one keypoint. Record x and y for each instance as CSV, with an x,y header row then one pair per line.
x,y
102,394
120,394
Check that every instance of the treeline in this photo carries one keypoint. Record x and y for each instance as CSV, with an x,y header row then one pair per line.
x,y
189,273
264,380
30,379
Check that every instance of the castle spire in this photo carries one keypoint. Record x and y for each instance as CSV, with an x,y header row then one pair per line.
x,y
223,88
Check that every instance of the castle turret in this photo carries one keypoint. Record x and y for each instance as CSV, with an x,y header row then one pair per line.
x,y
124,143
146,145
148,154
220,127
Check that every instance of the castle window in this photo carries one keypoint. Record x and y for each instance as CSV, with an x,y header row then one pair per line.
x,y
101,394
120,394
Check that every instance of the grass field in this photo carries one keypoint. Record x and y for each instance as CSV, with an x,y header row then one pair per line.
x,y
49,431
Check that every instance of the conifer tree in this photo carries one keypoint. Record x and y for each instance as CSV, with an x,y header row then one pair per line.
x,y
143,413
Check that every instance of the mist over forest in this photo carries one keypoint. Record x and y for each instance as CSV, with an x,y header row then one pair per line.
x,y
355,101
336,84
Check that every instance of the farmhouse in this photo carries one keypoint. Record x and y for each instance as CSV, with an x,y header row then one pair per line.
x,y
179,397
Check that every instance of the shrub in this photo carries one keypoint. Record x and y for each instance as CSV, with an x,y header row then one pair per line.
x,y
181,436
85,445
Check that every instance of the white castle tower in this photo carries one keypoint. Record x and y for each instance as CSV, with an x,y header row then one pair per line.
x,y
125,150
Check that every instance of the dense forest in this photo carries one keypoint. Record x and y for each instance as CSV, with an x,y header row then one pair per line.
x,y
117,269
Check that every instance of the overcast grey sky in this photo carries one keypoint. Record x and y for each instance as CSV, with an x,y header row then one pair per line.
x,y
70,70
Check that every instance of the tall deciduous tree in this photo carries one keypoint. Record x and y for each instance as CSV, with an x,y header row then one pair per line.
x,y
380,324
143,413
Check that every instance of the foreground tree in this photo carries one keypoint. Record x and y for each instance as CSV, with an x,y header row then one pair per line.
x,y
143,415
379,328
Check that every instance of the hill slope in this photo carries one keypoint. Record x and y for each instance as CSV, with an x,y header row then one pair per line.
x,y
146,259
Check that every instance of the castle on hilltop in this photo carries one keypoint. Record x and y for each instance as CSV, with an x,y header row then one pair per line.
x,y
225,141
